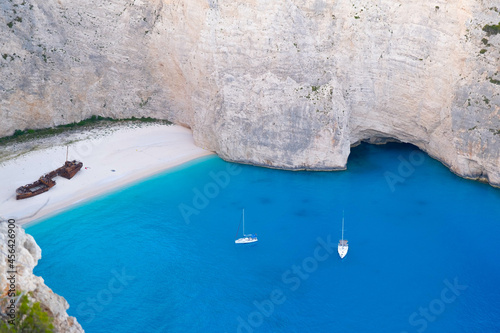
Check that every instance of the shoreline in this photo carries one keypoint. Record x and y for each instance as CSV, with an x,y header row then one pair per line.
x,y
110,161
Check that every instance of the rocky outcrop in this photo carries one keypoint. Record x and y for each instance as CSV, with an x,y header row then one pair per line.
x,y
287,84
27,253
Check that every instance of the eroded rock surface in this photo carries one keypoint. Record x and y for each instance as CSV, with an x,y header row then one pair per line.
x,y
27,253
287,84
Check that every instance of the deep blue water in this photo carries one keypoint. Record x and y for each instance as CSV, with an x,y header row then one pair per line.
x,y
424,250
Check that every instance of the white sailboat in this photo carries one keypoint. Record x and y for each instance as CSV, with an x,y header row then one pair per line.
x,y
252,238
343,247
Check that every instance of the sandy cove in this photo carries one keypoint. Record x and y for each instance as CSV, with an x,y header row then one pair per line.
x,y
109,161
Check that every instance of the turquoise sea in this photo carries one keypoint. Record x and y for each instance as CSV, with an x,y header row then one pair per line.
x,y
159,256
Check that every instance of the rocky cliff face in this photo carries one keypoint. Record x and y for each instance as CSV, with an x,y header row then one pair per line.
x,y
288,84
27,253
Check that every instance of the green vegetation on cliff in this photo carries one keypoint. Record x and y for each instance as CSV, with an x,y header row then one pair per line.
x,y
492,29
94,121
27,317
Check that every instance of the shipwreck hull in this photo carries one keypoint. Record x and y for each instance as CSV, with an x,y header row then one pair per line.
x,y
45,183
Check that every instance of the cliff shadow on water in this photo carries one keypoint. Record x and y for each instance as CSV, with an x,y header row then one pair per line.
x,y
366,155
399,162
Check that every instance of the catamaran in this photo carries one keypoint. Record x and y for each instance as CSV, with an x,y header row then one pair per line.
x,y
252,238
343,247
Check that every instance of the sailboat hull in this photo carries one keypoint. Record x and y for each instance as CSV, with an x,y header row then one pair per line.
x,y
342,250
246,240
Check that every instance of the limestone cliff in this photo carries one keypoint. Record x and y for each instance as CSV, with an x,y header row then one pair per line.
x,y
27,253
289,84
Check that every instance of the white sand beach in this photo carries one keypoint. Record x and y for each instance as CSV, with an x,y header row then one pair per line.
x,y
111,159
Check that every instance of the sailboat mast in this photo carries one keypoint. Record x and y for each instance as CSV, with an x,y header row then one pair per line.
x,y
342,228
243,221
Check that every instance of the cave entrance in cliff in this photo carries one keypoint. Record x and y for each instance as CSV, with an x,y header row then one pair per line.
x,y
363,150
394,160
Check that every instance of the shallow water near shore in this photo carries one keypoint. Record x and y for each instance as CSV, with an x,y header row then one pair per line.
x,y
159,256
